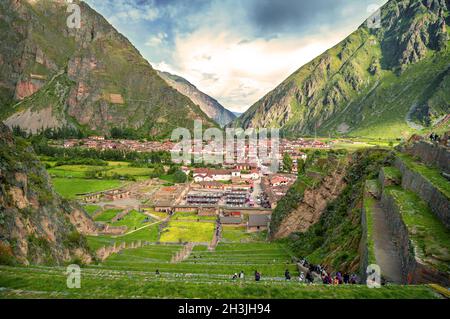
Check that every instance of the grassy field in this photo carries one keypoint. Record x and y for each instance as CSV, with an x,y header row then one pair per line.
x,y
71,187
191,216
232,234
91,209
149,234
107,215
133,220
36,282
197,232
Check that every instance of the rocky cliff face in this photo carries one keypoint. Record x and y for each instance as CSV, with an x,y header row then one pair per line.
x,y
313,204
207,104
397,75
36,226
97,79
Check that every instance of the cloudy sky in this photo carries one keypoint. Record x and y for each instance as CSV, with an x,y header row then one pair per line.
x,y
234,50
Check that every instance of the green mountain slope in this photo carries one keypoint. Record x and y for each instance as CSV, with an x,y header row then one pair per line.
x,y
94,78
376,83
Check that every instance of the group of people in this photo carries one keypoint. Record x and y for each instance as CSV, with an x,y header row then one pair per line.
x,y
435,138
327,279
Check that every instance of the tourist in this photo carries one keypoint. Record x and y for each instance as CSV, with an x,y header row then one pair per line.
x,y
157,272
241,275
235,276
353,279
346,278
309,277
257,276
287,275
301,277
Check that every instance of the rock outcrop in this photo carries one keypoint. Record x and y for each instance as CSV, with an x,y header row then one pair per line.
x,y
313,204
36,225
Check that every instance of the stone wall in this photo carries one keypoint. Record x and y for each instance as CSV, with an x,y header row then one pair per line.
x,y
438,202
400,233
414,270
432,154
363,248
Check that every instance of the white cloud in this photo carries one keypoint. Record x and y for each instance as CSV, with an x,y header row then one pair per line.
x,y
237,72
156,40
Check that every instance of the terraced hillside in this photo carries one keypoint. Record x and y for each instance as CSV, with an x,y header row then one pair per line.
x,y
406,220
33,282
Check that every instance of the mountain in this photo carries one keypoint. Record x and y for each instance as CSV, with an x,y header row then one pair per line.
x,y
207,104
36,225
376,83
90,78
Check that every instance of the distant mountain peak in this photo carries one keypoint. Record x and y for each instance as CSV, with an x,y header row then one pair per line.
x,y
207,104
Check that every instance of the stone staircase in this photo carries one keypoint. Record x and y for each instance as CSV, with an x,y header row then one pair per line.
x,y
183,254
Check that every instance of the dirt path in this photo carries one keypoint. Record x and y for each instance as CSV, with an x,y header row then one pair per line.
x,y
386,253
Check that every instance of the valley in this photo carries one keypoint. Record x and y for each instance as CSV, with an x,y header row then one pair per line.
x,y
350,191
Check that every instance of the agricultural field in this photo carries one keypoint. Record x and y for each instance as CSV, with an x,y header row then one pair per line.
x,y
149,234
232,234
133,220
196,232
191,216
91,209
107,215
70,188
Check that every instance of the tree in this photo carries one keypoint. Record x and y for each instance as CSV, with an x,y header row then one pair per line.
x,y
158,171
287,163
179,177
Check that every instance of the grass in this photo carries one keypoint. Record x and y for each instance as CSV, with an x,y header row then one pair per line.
x,y
429,236
70,188
233,234
91,209
198,232
369,202
149,234
34,282
392,173
132,220
107,215
433,175
192,216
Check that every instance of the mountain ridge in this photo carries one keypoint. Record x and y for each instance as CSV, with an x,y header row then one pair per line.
x,y
105,81
353,88
207,104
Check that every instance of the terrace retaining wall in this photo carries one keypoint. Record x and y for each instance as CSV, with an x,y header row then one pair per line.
x,y
432,154
438,202
414,271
